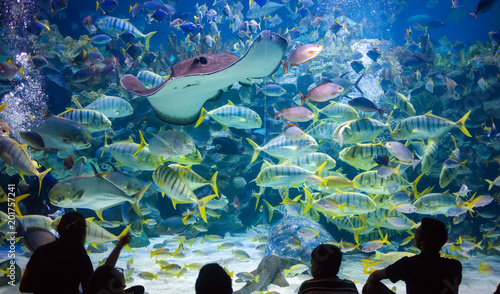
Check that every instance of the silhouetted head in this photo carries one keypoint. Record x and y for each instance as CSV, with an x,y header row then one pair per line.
x,y
72,227
213,279
431,235
325,261
106,279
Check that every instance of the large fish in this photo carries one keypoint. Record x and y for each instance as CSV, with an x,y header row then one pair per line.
x,y
92,192
61,133
196,80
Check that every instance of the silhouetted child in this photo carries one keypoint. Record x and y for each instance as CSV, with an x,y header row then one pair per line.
x,y
426,272
213,279
108,279
325,265
60,266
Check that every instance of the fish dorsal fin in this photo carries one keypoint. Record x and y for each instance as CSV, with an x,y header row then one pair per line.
x,y
102,175
280,280
429,113
90,219
130,140
46,113
229,102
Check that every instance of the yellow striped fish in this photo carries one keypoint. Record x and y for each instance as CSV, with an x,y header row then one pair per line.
x,y
427,126
111,106
193,179
150,79
313,161
232,116
177,189
284,175
338,111
132,154
435,203
114,27
361,155
92,120
402,103
341,204
15,155
429,153
359,130
283,148
370,182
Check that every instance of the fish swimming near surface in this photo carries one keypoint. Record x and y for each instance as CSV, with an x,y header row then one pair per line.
x,y
204,77
269,272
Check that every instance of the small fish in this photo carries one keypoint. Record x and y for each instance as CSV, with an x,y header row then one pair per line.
x,y
293,132
295,114
68,163
307,232
56,5
106,6
381,159
148,276
357,66
270,90
430,86
302,54
373,54
136,10
363,104
87,21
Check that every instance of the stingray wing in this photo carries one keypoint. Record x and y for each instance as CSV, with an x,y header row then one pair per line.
x,y
194,81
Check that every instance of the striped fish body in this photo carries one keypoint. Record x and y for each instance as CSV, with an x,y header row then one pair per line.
x,y
435,203
447,175
92,120
114,27
429,157
382,218
369,182
150,79
282,175
111,106
322,130
178,190
40,221
188,159
351,224
338,111
313,161
427,126
283,148
361,155
352,203
357,131
123,153
382,201
233,116
175,186
193,179
336,182
403,104
16,155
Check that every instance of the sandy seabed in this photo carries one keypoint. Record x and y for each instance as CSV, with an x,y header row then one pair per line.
x,y
472,282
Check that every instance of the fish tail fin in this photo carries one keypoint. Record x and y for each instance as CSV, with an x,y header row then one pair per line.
x,y
285,66
381,111
320,169
389,122
201,206
203,114
256,149
357,82
491,184
310,201
256,195
142,144
123,233
270,210
415,162
40,179
17,200
257,89
276,113
105,143
136,198
3,106
474,15
461,124
314,109
214,184
147,37
97,5
302,99
414,184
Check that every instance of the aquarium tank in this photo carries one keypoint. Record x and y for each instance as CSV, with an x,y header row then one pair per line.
x,y
228,131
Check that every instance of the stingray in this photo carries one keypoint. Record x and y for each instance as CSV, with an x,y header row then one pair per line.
x,y
203,78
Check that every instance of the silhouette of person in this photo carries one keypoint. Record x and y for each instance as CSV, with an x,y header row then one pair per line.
x,y
325,265
213,279
426,272
106,279
63,265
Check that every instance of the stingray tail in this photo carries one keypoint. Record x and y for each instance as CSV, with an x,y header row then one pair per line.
x,y
202,117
